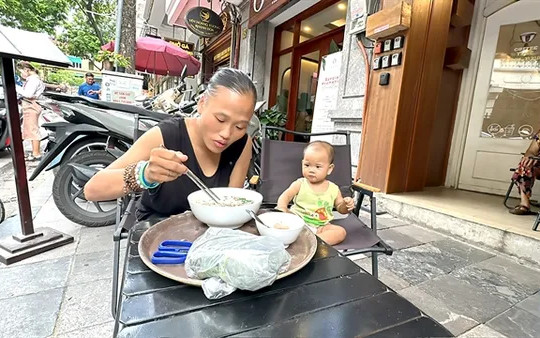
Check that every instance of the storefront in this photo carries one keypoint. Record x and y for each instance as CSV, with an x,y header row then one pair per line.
x,y
283,46
499,104
217,51
299,45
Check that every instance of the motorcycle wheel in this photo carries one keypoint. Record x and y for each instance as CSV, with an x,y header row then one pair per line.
x,y
82,146
2,212
69,197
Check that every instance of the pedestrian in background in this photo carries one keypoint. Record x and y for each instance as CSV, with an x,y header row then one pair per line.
x,y
32,89
90,88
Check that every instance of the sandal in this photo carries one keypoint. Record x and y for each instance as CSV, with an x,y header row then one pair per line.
x,y
33,158
521,210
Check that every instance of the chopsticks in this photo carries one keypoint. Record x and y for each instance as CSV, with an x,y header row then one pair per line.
x,y
203,186
199,183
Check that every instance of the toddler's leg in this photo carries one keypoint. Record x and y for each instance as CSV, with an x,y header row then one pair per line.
x,y
332,234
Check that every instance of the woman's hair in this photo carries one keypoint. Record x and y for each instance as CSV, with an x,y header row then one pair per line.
x,y
232,79
27,65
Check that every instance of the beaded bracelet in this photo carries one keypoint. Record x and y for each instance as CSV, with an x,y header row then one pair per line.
x,y
130,180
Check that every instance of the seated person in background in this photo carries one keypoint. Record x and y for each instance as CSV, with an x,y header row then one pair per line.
x,y
315,197
90,88
526,173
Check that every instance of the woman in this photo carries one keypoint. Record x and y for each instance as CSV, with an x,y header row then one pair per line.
x,y
525,175
30,92
214,146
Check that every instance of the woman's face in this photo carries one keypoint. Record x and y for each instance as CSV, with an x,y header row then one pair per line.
x,y
25,72
224,118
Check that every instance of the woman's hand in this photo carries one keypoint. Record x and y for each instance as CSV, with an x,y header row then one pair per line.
x,y
164,165
528,162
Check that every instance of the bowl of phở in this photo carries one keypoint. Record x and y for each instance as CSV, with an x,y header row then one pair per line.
x,y
284,226
232,213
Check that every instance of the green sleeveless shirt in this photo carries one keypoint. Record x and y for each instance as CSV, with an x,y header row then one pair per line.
x,y
315,207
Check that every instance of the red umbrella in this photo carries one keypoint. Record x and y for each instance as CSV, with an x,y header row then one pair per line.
x,y
160,57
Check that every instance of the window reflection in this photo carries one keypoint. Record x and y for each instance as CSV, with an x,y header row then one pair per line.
x,y
513,105
326,20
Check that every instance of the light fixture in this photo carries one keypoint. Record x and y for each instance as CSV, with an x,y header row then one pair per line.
x,y
342,6
307,29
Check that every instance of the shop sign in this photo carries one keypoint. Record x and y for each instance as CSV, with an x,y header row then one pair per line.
x,y
204,22
261,9
223,55
187,46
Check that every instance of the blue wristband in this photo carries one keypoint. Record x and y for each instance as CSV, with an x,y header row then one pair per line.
x,y
144,183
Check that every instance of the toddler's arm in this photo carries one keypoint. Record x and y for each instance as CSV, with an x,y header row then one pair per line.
x,y
344,205
286,197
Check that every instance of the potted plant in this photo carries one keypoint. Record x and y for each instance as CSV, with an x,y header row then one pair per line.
x,y
275,118
121,63
108,59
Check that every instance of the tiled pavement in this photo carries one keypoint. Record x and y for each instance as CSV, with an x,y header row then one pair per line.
x,y
473,291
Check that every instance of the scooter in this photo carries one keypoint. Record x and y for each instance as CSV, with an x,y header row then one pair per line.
x,y
84,166
86,121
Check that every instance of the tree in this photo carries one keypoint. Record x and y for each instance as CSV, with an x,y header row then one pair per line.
x,y
34,15
81,26
92,26
128,35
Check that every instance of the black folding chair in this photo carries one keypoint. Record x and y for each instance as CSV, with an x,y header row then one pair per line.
x,y
280,166
125,213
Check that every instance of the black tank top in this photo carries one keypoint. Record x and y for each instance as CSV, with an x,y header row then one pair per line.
x,y
170,198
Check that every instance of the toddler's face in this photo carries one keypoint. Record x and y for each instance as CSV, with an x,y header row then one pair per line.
x,y
316,165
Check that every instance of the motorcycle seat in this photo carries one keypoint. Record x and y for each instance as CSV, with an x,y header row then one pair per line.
x,y
127,108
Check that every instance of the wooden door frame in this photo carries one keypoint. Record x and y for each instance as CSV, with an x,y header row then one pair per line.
x,y
294,23
321,45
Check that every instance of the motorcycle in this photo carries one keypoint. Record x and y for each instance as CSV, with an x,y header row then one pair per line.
x,y
89,128
83,168
86,139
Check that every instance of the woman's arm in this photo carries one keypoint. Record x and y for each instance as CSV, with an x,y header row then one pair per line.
x,y
108,183
239,173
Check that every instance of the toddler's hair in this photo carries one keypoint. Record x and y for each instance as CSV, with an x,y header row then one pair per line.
x,y
325,145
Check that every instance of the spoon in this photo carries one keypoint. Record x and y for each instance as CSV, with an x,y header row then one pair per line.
x,y
255,217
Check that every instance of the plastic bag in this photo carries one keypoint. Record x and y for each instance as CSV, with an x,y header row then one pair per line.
x,y
233,259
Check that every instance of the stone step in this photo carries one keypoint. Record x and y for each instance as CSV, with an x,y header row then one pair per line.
x,y
524,245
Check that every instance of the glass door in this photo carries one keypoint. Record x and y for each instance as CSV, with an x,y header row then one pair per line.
x,y
506,104
299,45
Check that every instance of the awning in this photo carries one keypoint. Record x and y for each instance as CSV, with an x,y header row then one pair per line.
x,y
177,9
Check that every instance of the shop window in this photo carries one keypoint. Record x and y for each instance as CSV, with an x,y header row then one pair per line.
x,y
287,39
513,103
284,81
325,21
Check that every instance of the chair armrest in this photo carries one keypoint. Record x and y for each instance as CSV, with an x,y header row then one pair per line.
x,y
254,180
127,216
357,186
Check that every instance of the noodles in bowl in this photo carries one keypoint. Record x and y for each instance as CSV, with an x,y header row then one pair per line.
x,y
232,214
227,201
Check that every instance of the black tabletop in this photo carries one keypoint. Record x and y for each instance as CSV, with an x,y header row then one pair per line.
x,y
329,297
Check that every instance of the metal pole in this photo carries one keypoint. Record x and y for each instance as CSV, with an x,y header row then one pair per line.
x,y
119,9
17,153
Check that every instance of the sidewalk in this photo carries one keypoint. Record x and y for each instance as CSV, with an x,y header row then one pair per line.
x,y
472,291
64,292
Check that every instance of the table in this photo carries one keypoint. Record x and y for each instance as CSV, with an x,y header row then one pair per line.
x,y
329,297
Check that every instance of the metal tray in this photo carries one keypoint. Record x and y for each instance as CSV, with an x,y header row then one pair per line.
x,y
185,226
